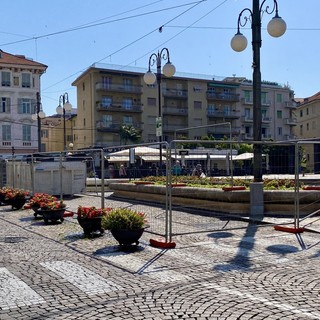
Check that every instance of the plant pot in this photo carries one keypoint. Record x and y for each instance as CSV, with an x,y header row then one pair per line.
x,y
16,203
52,215
91,225
127,237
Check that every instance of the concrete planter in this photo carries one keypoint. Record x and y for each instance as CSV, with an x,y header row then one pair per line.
x,y
235,202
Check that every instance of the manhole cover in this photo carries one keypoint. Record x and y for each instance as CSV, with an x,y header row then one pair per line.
x,y
13,239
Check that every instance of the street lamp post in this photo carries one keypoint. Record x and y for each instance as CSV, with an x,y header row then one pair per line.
x,y
38,116
150,78
63,107
276,28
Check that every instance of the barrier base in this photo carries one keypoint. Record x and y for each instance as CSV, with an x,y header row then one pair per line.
x,y
161,243
289,229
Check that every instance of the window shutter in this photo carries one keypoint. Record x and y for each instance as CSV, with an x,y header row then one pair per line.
x,y
20,105
8,105
33,106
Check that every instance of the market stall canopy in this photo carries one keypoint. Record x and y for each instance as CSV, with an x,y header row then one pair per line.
x,y
243,156
145,153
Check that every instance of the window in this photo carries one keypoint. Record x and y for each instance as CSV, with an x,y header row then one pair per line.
x,y
307,111
280,131
197,89
5,105
247,113
127,120
301,129
211,109
151,102
279,97
301,113
263,97
6,132
26,132
106,101
5,79
307,126
279,114
107,120
226,110
44,133
127,83
197,104
247,96
151,120
127,103
197,122
106,82
264,114
26,80
26,106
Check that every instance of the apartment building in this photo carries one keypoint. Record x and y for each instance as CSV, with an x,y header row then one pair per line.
x,y
52,132
19,89
308,115
109,96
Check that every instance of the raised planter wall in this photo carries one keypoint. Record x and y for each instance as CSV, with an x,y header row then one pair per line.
x,y
235,202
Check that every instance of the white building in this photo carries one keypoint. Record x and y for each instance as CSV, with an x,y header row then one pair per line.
x,y
19,95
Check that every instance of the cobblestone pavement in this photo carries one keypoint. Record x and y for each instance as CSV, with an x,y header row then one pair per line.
x,y
240,270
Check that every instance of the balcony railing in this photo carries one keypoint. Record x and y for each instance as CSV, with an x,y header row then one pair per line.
x,y
223,96
119,108
250,101
117,87
290,121
290,104
247,118
175,111
175,93
222,114
114,127
173,127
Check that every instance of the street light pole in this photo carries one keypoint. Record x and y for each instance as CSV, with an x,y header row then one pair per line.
x,y
276,28
150,78
64,105
38,116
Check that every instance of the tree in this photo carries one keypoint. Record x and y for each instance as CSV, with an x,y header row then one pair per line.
x,y
129,133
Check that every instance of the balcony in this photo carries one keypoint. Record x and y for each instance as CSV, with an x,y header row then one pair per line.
x,y
223,130
247,118
290,121
266,120
114,127
221,96
290,137
175,111
117,87
136,108
175,93
222,114
250,101
174,127
290,104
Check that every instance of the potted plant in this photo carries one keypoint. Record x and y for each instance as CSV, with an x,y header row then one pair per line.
x,y
126,225
14,197
90,218
39,200
52,210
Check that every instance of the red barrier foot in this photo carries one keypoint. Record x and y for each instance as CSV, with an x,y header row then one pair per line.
x,y
68,214
289,229
161,243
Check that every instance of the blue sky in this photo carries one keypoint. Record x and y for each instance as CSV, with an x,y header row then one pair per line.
x,y
125,32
